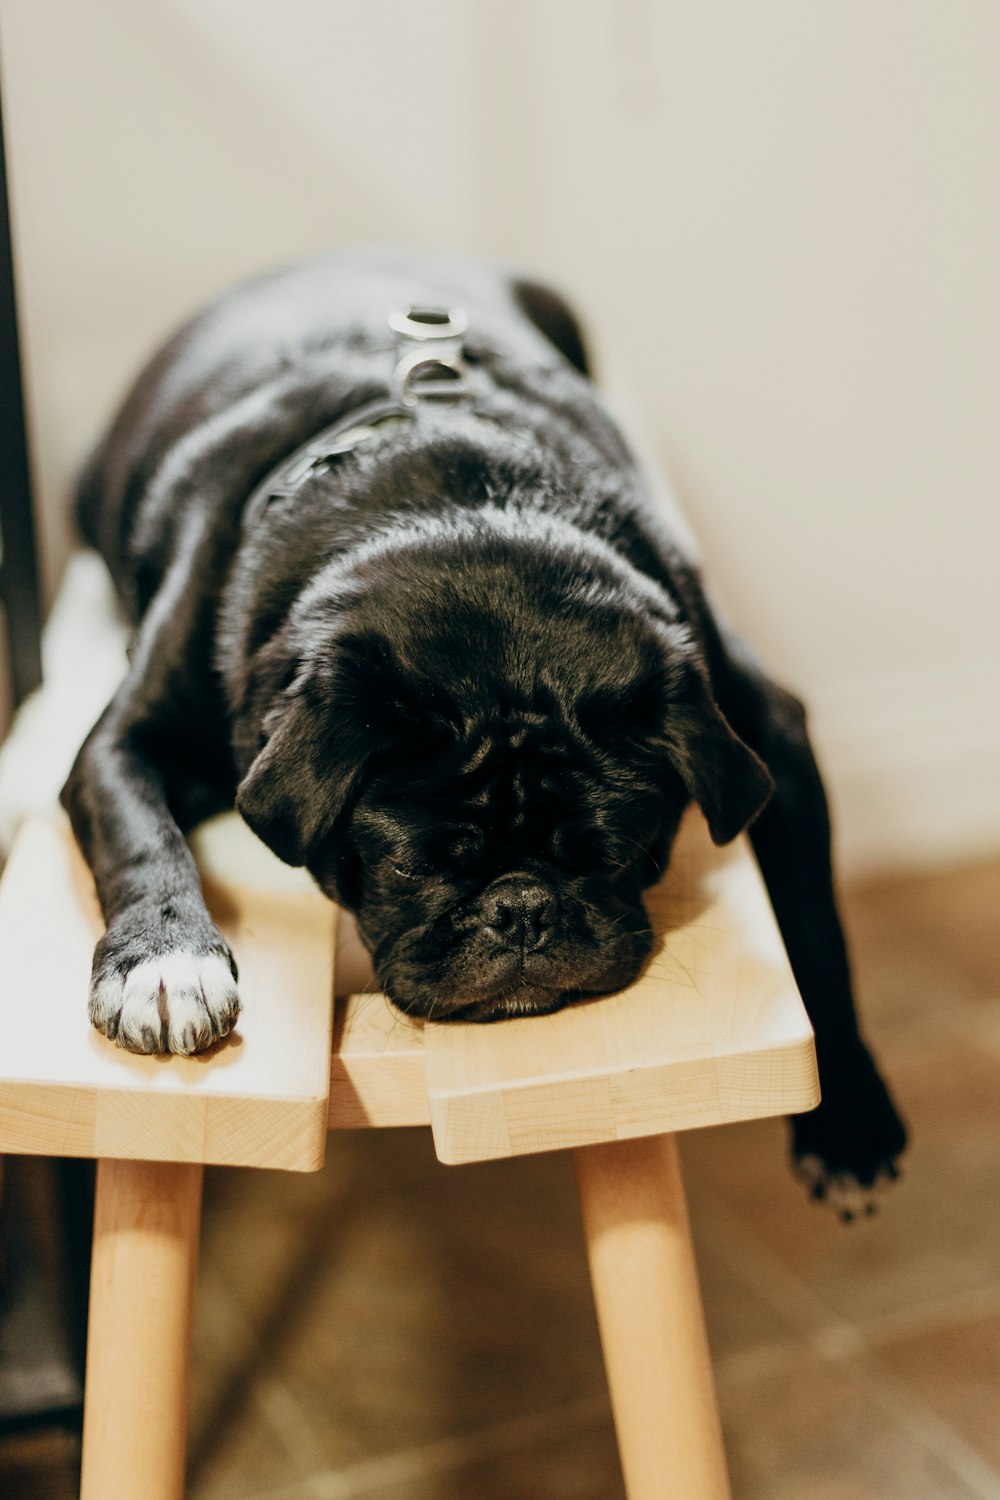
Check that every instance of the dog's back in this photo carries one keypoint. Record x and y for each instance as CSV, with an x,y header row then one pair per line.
x,y
312,334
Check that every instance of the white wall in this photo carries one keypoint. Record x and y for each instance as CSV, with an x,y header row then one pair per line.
x,y
782,219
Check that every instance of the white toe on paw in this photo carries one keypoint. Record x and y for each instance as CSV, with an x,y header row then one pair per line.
x,y
177,1002
844,1193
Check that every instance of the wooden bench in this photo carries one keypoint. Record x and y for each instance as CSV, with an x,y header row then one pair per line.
x,y
713,1031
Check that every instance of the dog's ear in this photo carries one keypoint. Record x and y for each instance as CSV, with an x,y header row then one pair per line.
x,y
728,781
301,780
352,709
660,708
316,748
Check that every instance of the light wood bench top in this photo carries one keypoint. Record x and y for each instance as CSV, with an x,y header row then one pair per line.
x,y
714,1030
259,1098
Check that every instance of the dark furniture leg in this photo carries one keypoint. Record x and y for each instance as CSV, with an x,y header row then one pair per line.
x,y
18,554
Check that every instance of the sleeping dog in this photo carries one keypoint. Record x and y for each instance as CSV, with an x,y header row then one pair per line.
x,y
399,587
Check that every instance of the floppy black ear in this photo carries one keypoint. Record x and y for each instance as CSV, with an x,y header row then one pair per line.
x,y
300,782
728,781
347,712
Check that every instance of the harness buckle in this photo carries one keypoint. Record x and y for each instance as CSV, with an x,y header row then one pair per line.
x,y
422,376
430,365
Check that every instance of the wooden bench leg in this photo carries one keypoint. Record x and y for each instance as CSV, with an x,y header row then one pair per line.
x,y
146,1222
652,1326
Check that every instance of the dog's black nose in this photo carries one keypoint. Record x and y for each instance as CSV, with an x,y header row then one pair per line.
x,y
519,911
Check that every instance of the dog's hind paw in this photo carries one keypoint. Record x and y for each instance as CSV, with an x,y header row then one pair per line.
x,y
174,1002
849,1198
847,1150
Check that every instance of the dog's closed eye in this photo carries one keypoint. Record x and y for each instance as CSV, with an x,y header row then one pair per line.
x,y
465,847
408,871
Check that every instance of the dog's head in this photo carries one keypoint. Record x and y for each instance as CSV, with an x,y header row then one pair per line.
x,y
484,751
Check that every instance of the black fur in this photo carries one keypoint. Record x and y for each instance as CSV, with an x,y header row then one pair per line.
x,y
464,675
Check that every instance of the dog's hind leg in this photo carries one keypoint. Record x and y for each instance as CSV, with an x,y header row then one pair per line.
x,y
163,977
849,1147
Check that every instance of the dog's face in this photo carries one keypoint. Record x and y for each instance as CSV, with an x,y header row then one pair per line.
x,y
502,874
486,759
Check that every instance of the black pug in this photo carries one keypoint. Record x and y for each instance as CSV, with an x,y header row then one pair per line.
x,y
399,586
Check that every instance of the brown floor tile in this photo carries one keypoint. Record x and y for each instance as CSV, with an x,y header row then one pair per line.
x,y
241,1437
739,1321
581,1464
938,1233
256,1449
953,911
419,1303
40,1466
955,1370
440,1305
468,1299
905,981
984,1029
811,1430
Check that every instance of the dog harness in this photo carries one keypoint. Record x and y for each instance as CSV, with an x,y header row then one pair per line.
x,y
429,367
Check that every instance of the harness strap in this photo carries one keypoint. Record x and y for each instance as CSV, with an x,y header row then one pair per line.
x,y
429,368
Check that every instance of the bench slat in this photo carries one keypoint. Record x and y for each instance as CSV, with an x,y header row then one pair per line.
x,y
714,1030
257,1099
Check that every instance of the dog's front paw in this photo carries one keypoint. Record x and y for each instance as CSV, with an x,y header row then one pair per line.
x,y
178,1001
847,1150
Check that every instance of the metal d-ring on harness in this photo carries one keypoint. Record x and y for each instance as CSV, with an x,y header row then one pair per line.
x,y
429,367
430,359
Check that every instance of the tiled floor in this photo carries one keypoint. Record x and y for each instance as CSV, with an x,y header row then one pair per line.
x,y
395,1330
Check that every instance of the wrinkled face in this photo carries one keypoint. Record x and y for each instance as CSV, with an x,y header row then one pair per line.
x,y
485,756
507,878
